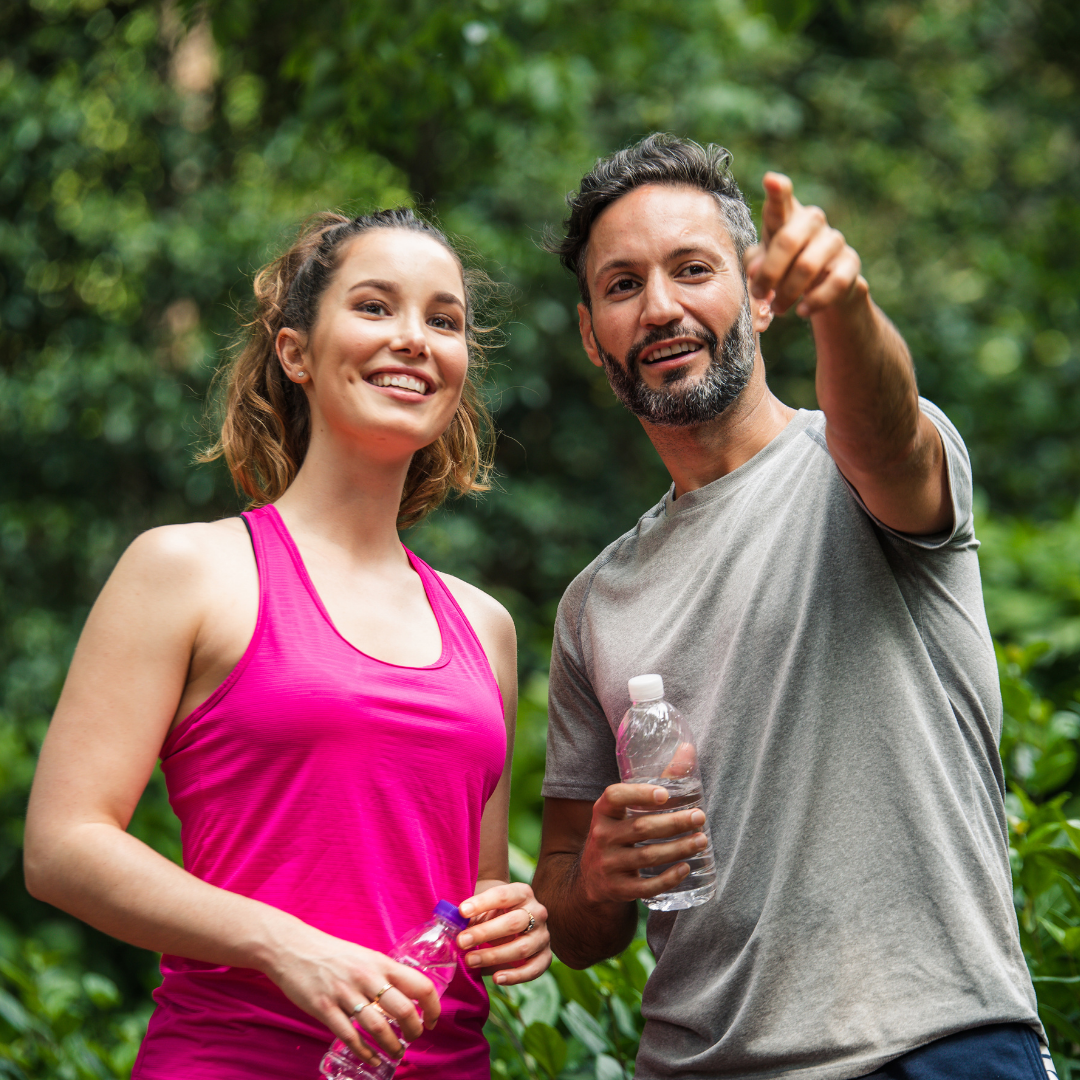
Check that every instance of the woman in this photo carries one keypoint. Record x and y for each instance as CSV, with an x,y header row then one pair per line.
x,y
334,719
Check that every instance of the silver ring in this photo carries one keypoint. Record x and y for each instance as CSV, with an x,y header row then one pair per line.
x,y
360,1007
532,925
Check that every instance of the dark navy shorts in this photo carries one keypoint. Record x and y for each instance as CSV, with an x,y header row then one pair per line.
x,y
998,1052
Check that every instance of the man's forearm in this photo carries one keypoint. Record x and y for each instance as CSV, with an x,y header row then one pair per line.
x,y
582,932
865,383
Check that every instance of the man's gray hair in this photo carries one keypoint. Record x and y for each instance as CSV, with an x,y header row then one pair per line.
x,y
659,158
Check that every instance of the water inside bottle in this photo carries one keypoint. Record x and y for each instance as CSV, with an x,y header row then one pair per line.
x,y
700,884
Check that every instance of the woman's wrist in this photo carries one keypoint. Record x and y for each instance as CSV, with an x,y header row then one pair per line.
x,y
277,940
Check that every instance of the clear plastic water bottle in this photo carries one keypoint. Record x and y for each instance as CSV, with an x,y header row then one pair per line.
x,y
431,949
655,746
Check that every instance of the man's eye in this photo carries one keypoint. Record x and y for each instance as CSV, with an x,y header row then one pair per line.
x,y
696,269
623,285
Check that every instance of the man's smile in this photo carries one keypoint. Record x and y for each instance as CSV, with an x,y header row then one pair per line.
x,y
669,350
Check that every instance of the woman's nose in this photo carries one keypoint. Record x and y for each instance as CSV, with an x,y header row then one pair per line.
x,y
410,336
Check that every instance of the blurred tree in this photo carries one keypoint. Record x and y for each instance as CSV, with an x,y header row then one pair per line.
x,y
152,155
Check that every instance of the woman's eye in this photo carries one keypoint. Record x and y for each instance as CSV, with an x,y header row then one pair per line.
x,y
372,307
443,322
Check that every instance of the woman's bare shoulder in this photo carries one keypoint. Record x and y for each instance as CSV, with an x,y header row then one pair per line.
x,y
181,555
192,540
481,608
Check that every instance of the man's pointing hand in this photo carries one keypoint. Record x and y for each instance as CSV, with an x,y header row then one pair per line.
x,y
801,259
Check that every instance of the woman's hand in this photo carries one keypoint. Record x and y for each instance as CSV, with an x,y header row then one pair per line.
x,y
329,978
513,924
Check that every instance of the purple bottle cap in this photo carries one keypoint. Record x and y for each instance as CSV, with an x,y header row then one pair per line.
x,y
445,910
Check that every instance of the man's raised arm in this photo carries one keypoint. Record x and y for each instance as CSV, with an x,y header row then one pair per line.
x,y
887,449
587,874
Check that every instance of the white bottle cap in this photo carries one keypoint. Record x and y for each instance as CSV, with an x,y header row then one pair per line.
x,y
646,688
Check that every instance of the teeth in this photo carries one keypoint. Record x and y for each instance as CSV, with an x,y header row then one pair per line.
x,y
406,382
673,350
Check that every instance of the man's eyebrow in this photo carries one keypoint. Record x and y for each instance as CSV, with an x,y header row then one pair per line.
x,y
615,264
694,249
392,288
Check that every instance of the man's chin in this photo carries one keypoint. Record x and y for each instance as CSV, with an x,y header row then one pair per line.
x,y
685,375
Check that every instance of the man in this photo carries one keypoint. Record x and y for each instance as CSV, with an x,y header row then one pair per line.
x,y
809,590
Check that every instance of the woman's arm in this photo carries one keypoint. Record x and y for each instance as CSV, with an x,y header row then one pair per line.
x,y
150,637
500,910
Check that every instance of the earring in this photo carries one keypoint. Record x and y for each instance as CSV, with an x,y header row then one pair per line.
x,y
301,375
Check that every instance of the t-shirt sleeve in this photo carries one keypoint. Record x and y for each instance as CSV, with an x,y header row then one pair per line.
x,y
580,744
958,465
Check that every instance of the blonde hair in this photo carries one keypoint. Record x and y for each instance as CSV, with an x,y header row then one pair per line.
x,y
266,424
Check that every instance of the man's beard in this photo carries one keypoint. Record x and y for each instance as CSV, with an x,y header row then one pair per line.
x,y
729,370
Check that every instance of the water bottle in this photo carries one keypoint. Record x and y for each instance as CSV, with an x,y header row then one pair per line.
x,y
432,949
654,745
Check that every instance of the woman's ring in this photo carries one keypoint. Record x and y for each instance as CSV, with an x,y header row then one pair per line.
x,y
532,925
360,1007
375,999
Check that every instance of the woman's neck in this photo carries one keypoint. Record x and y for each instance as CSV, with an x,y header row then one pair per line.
x,y
348,500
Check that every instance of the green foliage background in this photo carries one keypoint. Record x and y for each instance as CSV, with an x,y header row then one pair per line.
x,y
152,156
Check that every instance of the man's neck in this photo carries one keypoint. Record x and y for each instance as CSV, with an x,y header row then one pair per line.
x,y
698,455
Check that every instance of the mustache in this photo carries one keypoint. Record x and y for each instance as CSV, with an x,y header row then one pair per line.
x,y
662,333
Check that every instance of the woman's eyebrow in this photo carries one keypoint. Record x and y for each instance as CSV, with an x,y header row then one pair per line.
x,y
375,283
448,298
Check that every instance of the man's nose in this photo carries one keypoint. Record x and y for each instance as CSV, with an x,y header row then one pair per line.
x,y
661,302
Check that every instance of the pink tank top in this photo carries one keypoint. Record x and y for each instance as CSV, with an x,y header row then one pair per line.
x,y
342,789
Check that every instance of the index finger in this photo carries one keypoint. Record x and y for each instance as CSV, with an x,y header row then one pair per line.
x,y
780,203
419,988
495,899
619,797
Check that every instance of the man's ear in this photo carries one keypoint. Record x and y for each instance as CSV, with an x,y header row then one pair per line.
x,y
762,312
587,340
289,346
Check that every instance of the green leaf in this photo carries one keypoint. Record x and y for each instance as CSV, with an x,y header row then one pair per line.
x,y
1054,1018
1072,829
1071,941
584,1027
577,986
1056,932
607,1068
789,15
16,1015
624,1018
540,1000
646,959
547,1046
634,969
522,867
100,990
1063,858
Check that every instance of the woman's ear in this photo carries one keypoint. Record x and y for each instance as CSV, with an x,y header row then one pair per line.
x,y
289,347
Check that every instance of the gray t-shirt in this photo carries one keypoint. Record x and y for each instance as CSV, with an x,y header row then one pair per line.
x,y
840,681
